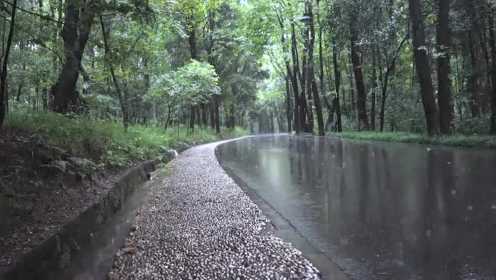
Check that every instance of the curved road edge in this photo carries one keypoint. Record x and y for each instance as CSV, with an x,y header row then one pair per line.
x,y
199,224
283,228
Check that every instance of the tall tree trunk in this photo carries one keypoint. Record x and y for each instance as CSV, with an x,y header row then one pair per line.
x,y
363,122
217,113
374,90
192,119
337,84
312,88
289,115
445,98
474,82
492,40
423,68
352,93
5,63
78,20
300,101
288,77
192,43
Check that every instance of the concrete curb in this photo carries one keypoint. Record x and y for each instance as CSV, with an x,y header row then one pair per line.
x,y
57,252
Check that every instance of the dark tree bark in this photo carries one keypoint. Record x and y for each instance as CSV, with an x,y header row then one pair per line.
x,y
289,115
217,113
5,63
312,89
300,100
374,90
423,68
78,20
445,98
492,42
192,118
192,43
363,122
337,84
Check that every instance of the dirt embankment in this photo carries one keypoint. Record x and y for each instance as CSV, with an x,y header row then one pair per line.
x,y
42,187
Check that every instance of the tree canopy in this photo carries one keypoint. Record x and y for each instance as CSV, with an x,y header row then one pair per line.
x,y
307,66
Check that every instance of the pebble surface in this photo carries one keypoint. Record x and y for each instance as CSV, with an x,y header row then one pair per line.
x,y
198,224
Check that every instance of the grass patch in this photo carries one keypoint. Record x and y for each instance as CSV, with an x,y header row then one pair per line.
x,y
468,141
106,142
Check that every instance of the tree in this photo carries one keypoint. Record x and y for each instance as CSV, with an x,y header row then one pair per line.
x,y
443,67
78,21
363,122
5,62
422,67
492,42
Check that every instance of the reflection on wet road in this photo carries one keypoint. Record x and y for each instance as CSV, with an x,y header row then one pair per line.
x,y
379,210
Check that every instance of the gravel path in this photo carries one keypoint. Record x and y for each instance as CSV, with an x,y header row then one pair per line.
x,y
198,224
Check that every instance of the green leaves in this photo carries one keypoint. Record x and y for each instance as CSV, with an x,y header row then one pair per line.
x,y
193,84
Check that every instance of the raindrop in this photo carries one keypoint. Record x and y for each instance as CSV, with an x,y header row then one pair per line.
x,y
470,208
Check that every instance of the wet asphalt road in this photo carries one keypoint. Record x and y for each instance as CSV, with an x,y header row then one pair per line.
x,y
198,224
381,211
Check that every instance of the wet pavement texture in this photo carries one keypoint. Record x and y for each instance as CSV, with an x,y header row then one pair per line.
x,y
198,224
379,210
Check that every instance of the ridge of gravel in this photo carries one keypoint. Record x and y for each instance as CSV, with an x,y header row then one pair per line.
x,y
198,224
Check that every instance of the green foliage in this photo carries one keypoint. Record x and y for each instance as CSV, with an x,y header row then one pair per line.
x,y
468,141
193,84
106,142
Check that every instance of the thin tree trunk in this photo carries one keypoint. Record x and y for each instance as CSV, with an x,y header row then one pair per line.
x,y
337,83
122,96
374,90
299,100
492,41
289,115
474,76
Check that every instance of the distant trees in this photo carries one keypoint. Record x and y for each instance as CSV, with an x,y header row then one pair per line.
x,y
138,45
367,43
320,65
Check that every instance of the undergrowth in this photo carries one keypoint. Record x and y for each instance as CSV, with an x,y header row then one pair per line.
x,y
470,141
106,141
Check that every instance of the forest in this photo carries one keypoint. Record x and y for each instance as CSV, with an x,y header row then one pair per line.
x,y
308,66
115,117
